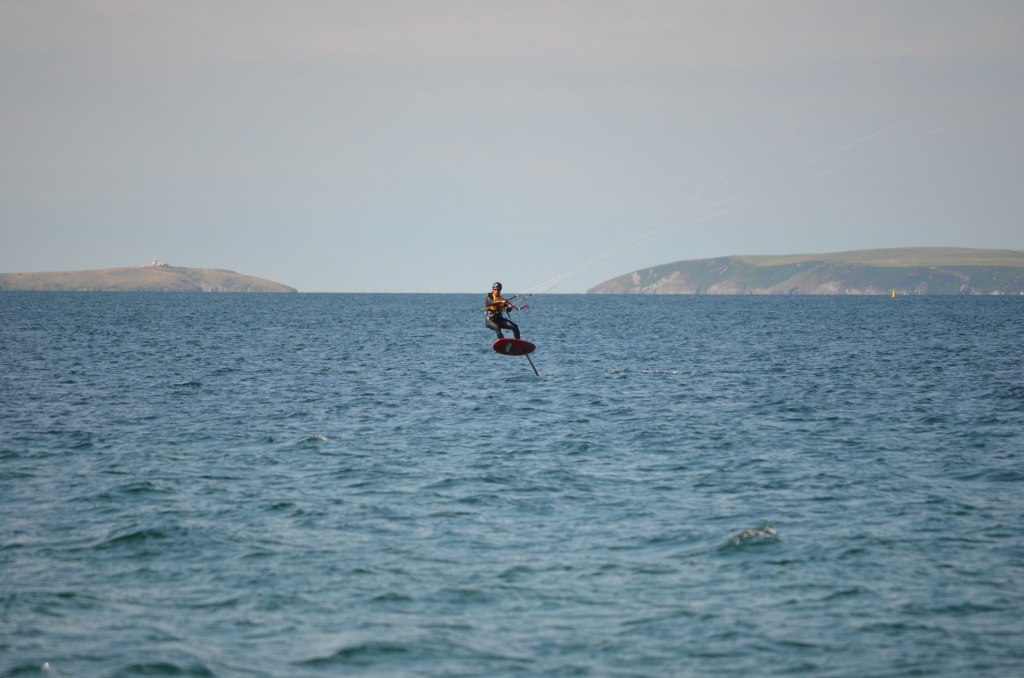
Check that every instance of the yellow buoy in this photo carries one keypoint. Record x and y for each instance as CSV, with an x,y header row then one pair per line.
x,y
894,294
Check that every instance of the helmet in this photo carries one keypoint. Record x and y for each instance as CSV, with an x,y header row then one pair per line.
x,y
497,284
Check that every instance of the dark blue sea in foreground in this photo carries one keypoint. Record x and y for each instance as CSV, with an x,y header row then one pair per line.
x,y
356,485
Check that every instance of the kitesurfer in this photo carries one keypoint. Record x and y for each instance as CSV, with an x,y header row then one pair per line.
x,y
494,306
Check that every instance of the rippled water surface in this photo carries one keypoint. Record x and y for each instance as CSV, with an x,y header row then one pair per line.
x,y
345,485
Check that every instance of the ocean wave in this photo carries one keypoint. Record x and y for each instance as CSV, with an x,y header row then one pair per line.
x,y
359,654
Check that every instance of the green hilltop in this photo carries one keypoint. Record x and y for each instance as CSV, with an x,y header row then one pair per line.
x,y
908,270
149,278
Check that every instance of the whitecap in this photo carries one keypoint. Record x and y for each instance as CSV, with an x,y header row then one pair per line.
x,y
764,532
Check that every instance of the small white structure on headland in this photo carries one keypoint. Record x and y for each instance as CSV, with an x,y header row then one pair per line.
x,y
155,263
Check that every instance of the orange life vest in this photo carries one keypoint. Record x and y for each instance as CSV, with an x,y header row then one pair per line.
x,y
498,302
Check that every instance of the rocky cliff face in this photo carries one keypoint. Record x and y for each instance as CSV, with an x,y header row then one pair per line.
x,y
141,279
908,271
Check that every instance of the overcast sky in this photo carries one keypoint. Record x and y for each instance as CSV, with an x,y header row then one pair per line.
x,y
392,146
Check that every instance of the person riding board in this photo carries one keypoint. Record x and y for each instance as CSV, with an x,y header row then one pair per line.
x,y
494,306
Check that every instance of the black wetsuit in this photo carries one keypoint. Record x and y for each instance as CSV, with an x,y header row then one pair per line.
x,y
496,321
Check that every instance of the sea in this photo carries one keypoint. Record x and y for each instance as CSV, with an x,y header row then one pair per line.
x,y
313,485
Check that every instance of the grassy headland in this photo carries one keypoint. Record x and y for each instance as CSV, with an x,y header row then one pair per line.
x,y
158,278
908,270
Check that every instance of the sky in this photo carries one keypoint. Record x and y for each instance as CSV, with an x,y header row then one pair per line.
x,y
439,146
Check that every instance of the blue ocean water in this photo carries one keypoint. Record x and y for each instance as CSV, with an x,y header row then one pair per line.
x,y
356,485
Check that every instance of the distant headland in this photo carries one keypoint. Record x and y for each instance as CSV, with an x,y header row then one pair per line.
x,y
155,277
907,270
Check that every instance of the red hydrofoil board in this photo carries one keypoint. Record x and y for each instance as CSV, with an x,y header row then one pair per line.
x,y
513,346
